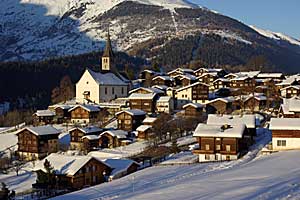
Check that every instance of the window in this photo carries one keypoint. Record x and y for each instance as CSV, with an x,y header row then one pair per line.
x,y
281,143
94,169
227,147
113,90
87,82
207,147
87,169
207,157
218,147
105,90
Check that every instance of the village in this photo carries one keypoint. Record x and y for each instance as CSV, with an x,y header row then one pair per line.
x,y
115,127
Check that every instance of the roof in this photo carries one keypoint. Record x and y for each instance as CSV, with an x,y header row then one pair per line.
x,y
149,119
91,137
195,105
191,85
65,164
116,133
188,76
43,113
107,78
248,120
160,87
240,78
164,99
142,96
285,124
269,75
150,90
87,130
119,165
222,79
224,99
260,97
108,52
90,108
297,87
143,128
133,112
42,130
166,78
211,130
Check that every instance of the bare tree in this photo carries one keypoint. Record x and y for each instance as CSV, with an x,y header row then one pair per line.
x,y
17,166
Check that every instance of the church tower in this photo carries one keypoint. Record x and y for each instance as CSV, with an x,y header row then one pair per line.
x,y
108,56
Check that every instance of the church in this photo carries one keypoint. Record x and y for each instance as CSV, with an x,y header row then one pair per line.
x,y
103,86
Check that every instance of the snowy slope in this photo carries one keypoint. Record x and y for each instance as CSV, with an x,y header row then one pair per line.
x,y
276,36
267,177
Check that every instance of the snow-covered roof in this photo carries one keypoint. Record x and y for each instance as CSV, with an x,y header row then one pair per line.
x,y
214,74
248,120
42,130
260,97
143,128
120,134
224,99
106,78
87,130
91,137
191,85
211,130
270,75
150,90
294,105
188,76
285,124
290,79
149,119
90,108
160,87
44,113
240,78
165,78
142,96
297,87
164,99
119,165
65,164
222,79
286,109
195,105
133,112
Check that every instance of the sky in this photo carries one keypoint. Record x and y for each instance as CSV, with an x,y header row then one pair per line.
x,y
276,15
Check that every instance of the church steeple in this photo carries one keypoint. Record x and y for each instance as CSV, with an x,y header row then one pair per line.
x,y
108,55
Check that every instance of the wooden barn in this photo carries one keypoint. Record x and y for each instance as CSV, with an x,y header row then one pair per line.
x,y
144,132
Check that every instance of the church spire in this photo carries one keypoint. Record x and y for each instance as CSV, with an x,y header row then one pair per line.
x,y
108,55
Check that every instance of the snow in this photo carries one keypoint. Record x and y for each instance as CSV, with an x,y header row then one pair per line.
x,y
89,129
42,130
116,133
195,105
248,120
42,113
133,112
119,166
7,140
181,158
149,119
285,124
164,99
143,128
90,108
142,96
106,78
210,130
276,36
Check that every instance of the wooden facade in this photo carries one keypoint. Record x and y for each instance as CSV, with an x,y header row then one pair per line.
x,y
81,115
107,140
192,111
129,122
255,104
76,135
145,104
161,80
247,84
219,107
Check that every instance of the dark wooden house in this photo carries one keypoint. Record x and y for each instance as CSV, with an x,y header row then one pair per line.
x,y
145,102
163,80
193,110
220,106
77,134
43,117
129,120
144,132
84,113
113,138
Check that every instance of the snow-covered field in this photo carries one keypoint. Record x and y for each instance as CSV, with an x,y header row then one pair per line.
x,y
7,140
267,177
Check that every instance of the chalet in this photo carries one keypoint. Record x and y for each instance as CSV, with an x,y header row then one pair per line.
x,y
121,167
129,120
62,113
290,108
197,93
180,71
43,117
201,71
285,133
193,110
290,80
165,104
145,102
149,121
221,83
163,80
185,79
102,86
147,75
220,142
84,113
255,103
143,90
220,105
144,132
113,138
245,83
273,76
77,134
290,91
37,142
90,142
74,172
248,120
208,78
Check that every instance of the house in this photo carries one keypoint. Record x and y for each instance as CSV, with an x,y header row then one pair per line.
x,y
193,110
145,102
185,79
163,80
121,167
74,172
247,119
208,78
144,132
43,117
221,83
290,108
143,90
90,142
285,133
129,120
180,71
102,86
84,113
147,75
256,102
165,104
113,138
37,142
149,121
245,83
196,92
220,142
273,76
62,113
77,134
220,105
290,91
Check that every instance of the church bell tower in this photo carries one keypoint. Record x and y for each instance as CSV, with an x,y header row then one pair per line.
x,y
108,56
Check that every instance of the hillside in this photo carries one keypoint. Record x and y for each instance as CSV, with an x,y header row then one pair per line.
x,y
171,32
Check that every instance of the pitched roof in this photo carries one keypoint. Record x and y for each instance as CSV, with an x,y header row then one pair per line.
x,y
224,99
164,99
285,124
149,119
248,120
195,105
142,96
87,130
108,52
133,112
44,113
166,78
106,78
150,90
270,75
42,130
211,130
88,107
116,133
191,85
91,137
120,165
143,128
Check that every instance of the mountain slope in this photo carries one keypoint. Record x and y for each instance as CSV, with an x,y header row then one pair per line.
x,y
39,29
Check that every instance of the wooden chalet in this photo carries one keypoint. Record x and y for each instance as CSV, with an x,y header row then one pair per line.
x,y
221,83
84,113
77,134
193,110
165,104
290,91
113,138
151,90
145,102
74,172
129,120
147,75
163,80
43,117
277,77
90,142
144,132
149,121
220,106
290,108
62,113
37,142
221,142
208,78
285,133
255,103
245,83
121,167
185,79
